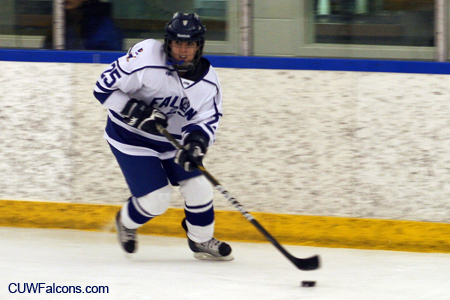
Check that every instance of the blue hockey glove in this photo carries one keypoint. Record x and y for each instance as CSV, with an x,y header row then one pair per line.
x,y
139,115
191,156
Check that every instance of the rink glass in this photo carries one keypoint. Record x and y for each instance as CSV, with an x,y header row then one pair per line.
x,y
305,28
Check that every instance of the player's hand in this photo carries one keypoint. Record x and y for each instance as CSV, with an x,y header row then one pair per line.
x,y
191,156
139,115
152,116
133,111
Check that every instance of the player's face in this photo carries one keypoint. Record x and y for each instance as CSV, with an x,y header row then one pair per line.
x,y
184,50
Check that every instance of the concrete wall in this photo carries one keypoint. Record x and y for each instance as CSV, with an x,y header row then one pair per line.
x,y
351,144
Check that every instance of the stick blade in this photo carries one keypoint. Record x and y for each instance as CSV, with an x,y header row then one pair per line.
x,y
307,264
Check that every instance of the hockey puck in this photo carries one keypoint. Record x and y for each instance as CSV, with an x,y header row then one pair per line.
x,y
306,283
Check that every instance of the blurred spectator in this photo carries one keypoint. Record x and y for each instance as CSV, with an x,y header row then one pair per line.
x,y
89,26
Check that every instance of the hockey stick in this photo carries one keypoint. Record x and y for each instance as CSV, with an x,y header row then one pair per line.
x,y
305,264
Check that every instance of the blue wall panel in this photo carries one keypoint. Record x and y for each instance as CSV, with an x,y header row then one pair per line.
x,y
252,62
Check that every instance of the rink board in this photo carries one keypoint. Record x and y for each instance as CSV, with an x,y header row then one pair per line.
x,y
301,140
317,143
231,225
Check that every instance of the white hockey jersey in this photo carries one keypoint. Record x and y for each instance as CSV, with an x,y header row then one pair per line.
x,y
143,74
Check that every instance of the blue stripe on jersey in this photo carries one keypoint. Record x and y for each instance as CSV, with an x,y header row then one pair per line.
x,y
209,128
217,88
104,89
101,96
216,115
216,119
191,128
122,135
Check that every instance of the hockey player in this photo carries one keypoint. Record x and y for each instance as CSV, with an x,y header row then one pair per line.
x,y
174,85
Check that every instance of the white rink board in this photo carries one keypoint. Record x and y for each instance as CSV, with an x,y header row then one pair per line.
x,y
351,144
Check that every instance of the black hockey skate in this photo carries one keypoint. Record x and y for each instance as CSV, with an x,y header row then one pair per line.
x,y
127,237
210,250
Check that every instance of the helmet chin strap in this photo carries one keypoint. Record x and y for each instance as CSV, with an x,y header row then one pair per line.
x,y
179,64
172,62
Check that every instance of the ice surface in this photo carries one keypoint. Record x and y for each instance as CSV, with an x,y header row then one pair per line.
x,y
163,268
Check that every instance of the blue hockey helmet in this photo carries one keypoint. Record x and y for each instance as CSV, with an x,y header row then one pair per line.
x,y
185,28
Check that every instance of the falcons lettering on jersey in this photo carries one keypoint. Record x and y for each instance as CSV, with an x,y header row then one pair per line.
x,y
177,105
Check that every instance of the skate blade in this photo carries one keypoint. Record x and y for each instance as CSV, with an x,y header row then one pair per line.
x,y
206,256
